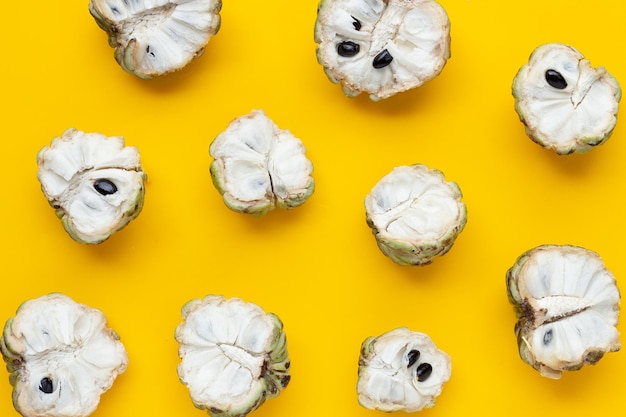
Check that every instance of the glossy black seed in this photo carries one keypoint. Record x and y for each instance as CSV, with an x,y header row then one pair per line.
x,y
382,59
45,385
423,371
555,79
356,23
413,356
547,337
348,49
104,186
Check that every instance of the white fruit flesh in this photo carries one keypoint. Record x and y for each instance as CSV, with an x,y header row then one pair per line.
x,y
62,357
258,166
568,306
389,371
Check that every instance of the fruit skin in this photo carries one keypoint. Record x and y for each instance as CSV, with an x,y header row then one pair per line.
x,y
65,351
274,374
530,317
76,158
130,51
579,142
418,71
417,251
386,382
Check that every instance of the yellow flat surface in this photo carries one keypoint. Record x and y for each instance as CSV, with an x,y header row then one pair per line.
x,y
317,267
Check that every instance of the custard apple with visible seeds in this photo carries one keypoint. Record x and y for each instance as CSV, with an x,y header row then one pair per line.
x,y
233,355
61,357
415,214
401,370
381,47
258,167
565,104
94,182
567,306
155,37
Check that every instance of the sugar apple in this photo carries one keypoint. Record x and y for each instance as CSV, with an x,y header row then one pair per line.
x,y
565,104
94,182
258,167
401,370
156,37
415,214
381,47
61,357
567,305
233,355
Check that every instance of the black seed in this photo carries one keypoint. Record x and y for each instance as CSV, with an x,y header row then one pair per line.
x,y
356,23
104,186
348,49
555,79
287,364
284,381
547,337
45,385
413,356
423,371
382,59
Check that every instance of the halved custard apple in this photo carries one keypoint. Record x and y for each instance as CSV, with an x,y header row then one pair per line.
x,y
401,370
257,166
415,214
156,37
567,305
233,355
381,47
61,357
565,104
94,182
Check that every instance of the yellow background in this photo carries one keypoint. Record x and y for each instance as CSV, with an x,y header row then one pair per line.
x,y
317,267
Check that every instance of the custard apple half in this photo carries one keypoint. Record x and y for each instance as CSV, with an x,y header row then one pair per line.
x,y
61,357
381,47
156,37
233,355
567,305
565,104
258,167
94,182
415,214
401,370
